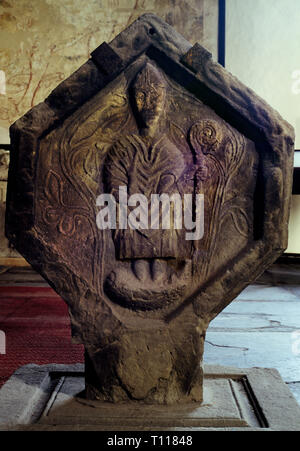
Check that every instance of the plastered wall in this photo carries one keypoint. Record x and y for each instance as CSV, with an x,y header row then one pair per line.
x,y
263,51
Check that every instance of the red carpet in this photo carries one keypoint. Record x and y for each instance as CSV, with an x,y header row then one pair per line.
x,y
36,325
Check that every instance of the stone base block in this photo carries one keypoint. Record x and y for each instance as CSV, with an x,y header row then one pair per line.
x,y
51,397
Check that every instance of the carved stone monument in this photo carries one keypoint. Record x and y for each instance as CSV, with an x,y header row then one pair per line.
x,y
147,118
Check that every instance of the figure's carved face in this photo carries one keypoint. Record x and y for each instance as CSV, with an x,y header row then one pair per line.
x,y
149,95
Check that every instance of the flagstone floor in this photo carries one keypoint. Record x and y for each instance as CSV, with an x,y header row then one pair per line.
x,y
260,328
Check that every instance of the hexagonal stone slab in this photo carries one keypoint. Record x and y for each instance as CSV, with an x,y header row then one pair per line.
x,y
149,115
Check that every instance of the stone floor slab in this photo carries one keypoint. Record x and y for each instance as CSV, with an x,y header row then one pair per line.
x,y
270,292
248,349
259,316
50,397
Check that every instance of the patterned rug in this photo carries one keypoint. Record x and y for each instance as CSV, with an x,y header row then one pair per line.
x,y
35,328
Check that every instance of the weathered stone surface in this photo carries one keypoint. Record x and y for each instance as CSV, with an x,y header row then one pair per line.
x,y
5,250
160,122
4,162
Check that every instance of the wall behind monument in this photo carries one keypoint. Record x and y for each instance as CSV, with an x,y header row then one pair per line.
x,y
43,41
262,50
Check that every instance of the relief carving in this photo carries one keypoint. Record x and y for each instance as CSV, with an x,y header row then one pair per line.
x,y
144,136
135,141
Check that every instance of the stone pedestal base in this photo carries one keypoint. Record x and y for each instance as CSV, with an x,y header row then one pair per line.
x,y
51,397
